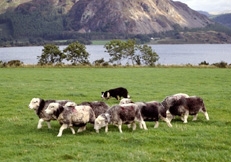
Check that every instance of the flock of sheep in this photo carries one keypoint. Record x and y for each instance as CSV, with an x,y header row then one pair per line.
x,y
70,115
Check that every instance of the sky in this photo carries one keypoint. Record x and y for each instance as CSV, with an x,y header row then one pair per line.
x,y
211,6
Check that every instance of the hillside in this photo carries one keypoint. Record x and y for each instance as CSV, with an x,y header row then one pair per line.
x,y
39,21
6,5
133,16
224,19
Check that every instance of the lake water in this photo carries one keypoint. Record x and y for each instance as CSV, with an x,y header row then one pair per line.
x,y
169,54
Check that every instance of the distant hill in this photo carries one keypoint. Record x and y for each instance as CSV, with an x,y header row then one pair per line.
x,y
205,13
6,5
83,20
224,19
134,16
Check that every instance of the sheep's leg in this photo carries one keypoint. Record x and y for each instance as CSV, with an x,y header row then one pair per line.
x,y
106,128
143,125
64,126
72,130
182,117
129,125
169,116
40,123
156,124
133,126
194,117
185,117
81,129
120,128
48,124
167,121
206,115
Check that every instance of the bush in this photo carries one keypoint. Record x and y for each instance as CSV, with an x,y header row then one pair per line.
x,y
204,63
2,64
15,63
98,62
221,64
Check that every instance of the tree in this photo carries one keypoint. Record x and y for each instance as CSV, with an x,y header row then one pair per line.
x,y
51,54
129,50
138,54
148,56
115,49
76,53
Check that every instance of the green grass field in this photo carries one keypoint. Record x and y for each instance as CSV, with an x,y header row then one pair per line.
x,y
199,140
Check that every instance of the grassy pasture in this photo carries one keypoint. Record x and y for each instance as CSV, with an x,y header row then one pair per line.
x,y
200,140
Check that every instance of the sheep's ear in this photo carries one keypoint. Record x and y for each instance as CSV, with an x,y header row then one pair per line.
x,y
108,115
108,118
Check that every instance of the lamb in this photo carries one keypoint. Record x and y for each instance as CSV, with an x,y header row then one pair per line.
x,y
39,105
69,116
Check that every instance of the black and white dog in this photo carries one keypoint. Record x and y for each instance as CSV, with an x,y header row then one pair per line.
x,y
116,92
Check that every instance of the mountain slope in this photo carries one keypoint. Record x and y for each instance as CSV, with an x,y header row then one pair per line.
x,y
38,20
224,19
133,16
10,4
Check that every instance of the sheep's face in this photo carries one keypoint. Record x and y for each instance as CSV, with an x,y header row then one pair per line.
x,y
100,122
68,104
168,101
125,101
169,115
51,108
34,103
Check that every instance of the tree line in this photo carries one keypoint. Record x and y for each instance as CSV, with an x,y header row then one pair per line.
x,y
118,50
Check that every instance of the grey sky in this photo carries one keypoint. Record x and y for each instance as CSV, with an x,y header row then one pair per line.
x,y
208,5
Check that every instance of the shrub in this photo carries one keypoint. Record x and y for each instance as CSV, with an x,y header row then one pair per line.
x,y
221,64
15,63
99,62
204,63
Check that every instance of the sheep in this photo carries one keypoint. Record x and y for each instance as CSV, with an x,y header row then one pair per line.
x,y
185,106
118,115
69,116
98,107
152,111
39,105
125,101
